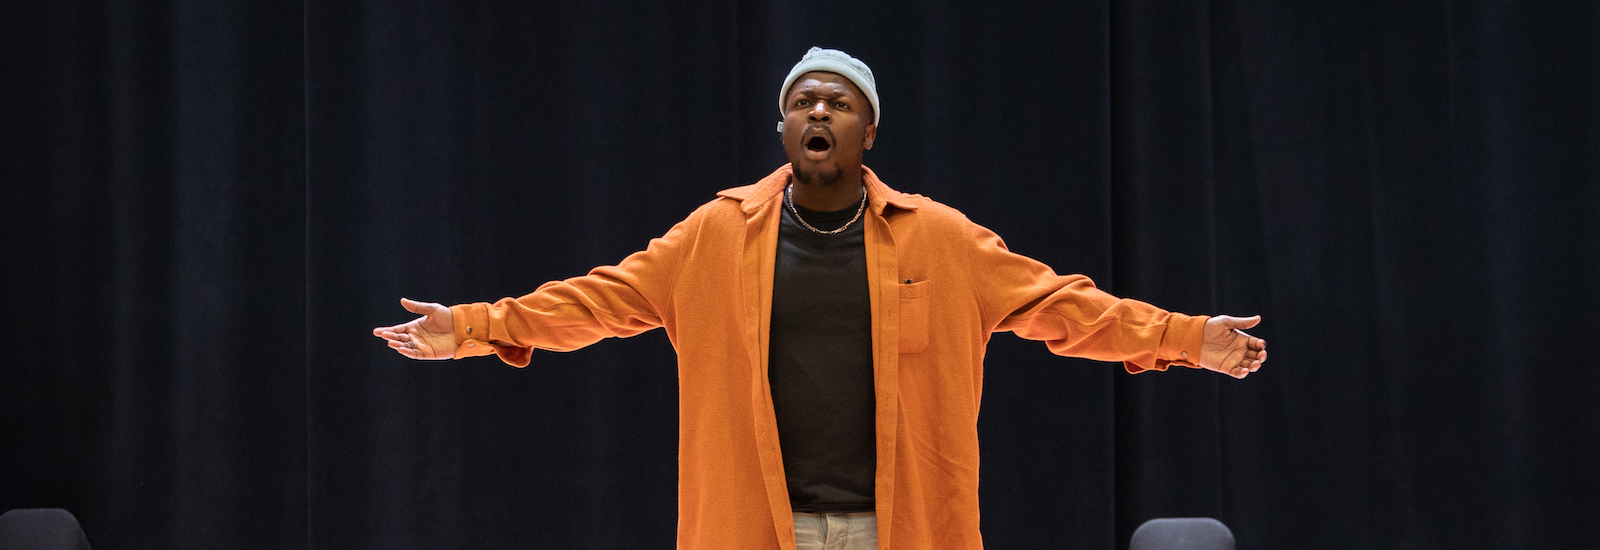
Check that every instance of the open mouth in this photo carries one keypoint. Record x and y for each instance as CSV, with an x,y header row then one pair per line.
x,y
818,143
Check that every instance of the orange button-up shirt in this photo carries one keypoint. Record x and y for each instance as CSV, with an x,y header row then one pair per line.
x,y
939,286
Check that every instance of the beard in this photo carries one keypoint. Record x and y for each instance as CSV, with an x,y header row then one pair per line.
x,y
824,178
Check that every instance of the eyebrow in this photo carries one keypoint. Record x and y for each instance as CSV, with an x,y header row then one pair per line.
x,y
832,92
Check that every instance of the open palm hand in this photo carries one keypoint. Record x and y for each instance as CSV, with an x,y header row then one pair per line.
x,y
431,336
1226,348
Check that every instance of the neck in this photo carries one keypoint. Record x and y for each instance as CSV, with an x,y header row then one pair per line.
x,y
846,193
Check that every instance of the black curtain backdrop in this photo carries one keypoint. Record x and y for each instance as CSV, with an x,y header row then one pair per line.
x,y
208,205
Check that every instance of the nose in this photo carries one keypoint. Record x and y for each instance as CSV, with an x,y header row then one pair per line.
x,y
819,112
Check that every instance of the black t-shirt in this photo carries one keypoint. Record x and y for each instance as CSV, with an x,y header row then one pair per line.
x,y
820,364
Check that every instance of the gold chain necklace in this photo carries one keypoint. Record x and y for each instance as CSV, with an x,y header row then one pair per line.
x,y
788,195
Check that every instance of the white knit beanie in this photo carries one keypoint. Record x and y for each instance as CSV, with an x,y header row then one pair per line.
x,y
837,62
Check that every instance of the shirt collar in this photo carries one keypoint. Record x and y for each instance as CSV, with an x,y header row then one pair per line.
x,y
757,195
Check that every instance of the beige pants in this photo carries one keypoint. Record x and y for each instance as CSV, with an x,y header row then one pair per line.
x,y
857,531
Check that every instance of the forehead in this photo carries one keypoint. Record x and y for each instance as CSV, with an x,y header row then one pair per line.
x,y
825,83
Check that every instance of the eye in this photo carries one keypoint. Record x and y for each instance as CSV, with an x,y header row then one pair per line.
x,y
802,103
840,105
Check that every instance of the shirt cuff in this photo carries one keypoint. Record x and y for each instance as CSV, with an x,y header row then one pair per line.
x,y
472,329
1180,343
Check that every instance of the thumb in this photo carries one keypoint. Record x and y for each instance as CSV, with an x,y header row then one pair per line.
x,y
419,308
1241,322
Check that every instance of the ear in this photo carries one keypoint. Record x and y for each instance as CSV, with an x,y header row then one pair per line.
x,y
872,134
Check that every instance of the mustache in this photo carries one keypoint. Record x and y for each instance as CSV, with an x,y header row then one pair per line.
x,y
819,128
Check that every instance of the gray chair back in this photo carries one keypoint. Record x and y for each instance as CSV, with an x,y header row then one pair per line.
x,y
41,529
1182,534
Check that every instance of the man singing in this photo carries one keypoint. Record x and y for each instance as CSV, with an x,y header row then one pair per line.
x,y
830,334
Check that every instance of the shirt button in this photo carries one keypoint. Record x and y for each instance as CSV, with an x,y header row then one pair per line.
x,y
469,330
470,344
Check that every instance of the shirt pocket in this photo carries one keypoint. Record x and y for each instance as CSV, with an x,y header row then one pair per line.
x,y
914,298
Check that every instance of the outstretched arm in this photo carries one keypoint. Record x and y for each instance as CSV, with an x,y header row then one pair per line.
x,y
611,301
1226,348
431,336
1076,319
